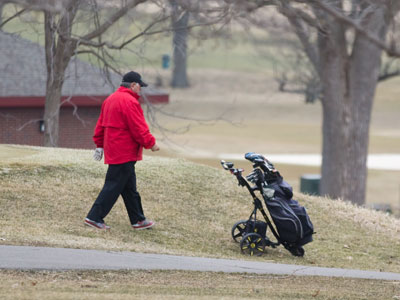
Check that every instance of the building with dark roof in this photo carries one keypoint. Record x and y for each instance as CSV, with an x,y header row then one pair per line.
x,y
23,89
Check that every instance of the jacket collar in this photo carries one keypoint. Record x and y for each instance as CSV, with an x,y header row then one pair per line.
x,y
129,91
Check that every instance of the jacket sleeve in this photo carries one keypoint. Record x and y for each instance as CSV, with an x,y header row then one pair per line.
x,y
137,125
98,136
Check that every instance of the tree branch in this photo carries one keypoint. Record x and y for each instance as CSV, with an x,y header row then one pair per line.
x,y
115,17
388,75
391,49
294,19
145,32
12,17
101,58
298,13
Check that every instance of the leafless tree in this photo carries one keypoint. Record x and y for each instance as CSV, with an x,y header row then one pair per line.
x,y
295,74
63,41
61,44
344,41
186,14
180,21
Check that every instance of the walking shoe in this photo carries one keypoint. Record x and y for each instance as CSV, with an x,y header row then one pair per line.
x,y
97,225
143,224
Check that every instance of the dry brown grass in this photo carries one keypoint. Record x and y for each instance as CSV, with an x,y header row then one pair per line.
x,y
261,119
185,285
45,197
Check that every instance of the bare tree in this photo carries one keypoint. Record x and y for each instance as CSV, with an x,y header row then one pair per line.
x,y
64,39
297,76
5,21
300,77
180,21
62,42
186,14
344,41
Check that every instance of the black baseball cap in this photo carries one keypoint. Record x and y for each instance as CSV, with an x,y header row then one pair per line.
x,y
134,77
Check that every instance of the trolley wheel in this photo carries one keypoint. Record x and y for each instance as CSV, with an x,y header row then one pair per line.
x,y
252,244
238,230
297,251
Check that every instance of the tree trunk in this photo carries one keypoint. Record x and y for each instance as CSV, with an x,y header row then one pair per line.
x,y
55,80
59,51
51,116
349,83
180,35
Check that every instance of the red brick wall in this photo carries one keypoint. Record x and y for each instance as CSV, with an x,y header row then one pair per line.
x,y
12,129
21,126
76,131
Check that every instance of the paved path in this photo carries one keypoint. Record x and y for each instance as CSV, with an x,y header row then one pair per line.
x,y
41,258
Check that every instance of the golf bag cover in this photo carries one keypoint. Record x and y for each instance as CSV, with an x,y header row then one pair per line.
x,y
290,218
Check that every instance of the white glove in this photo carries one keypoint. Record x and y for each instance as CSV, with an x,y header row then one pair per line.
x,y
98,154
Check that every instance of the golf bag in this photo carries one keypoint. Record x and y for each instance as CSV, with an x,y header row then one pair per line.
x,y
290,218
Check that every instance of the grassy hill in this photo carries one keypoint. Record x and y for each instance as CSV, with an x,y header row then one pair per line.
x,y
46,193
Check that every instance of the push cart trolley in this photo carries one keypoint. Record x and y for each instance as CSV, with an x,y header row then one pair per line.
x,y
251,234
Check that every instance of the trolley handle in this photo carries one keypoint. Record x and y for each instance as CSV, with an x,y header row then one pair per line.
x,y
234,171
229,166
238,173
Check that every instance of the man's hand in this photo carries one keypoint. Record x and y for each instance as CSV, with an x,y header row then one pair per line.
x,y
98,154
155,148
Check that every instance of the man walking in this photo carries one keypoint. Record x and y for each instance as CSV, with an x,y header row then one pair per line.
x,y
122,133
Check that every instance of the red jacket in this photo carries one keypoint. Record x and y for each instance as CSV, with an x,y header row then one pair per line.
x,y
122,129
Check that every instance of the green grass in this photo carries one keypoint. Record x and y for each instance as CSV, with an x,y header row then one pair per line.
x,y
194,206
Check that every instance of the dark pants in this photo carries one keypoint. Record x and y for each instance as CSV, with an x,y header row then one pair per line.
x,y
120,180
